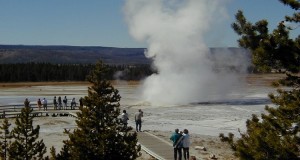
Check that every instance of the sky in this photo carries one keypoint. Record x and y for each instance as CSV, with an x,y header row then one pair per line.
x,y
102,22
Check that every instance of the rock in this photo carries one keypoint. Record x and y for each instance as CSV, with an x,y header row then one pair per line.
x,y
192,158
212,156
200,148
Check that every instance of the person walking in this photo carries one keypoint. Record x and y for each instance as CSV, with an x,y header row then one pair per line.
x,y
176,138
138,120
186,144
124,118
44,102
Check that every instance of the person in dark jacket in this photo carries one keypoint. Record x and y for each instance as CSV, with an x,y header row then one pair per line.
x,y
81,102
138,120
177,144
65,101
59,103
26,102
55,103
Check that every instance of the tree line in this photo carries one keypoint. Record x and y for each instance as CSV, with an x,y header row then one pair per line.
x,y
36,72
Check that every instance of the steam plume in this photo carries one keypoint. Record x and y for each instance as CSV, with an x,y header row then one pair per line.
x,y
174,31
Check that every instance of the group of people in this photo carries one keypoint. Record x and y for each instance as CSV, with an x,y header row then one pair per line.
x,y
137,118
58,104
181,142
43,103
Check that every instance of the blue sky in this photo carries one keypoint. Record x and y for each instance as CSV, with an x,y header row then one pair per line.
x,y
101,22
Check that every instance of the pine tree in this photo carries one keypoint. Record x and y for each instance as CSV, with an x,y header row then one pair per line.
x,y
274,135
270,50
5,138
53,153
99,134
25,144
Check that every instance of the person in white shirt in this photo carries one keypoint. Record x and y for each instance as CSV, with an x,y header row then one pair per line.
x,y
124,118
186,144
44,103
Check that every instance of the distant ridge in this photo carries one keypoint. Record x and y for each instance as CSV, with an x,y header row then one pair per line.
x,y
79,54
71,54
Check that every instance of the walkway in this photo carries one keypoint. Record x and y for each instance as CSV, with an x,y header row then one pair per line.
x,y
155,146
12,111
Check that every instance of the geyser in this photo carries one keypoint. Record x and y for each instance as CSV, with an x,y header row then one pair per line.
x,y
175,33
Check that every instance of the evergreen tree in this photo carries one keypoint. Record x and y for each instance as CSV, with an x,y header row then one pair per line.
x,y
64,153
5,137
25,144
100,134
274,135
270,50
53,153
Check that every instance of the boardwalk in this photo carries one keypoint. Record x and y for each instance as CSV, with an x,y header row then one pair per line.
x,y
155,146
12,111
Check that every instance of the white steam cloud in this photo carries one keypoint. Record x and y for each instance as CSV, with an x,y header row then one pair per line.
x,y
174,31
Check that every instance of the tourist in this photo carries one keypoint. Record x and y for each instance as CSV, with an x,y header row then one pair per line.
x,y
65,102
55,103
44,102
81,102
39,104
59,103
186,144
124,118
73,103
177,144
138,120
26,102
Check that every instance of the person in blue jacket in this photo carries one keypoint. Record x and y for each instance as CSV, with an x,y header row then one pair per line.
x,y
177,144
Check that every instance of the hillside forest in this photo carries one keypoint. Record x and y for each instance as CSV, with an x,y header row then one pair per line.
x,y
37,72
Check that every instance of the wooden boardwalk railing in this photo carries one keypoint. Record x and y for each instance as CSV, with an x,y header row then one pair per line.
x,y
12,111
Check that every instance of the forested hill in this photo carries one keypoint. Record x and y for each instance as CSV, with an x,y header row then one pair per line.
x,y
71,55
80,54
